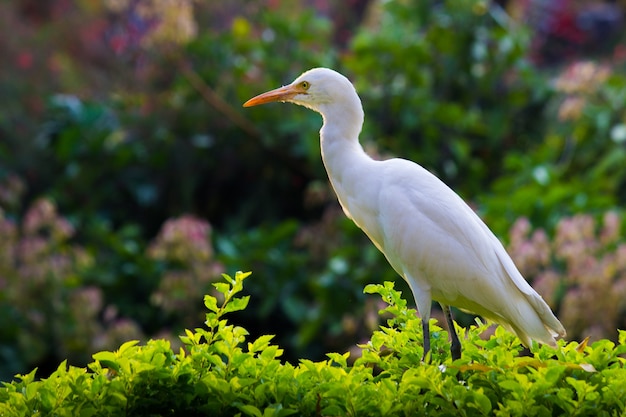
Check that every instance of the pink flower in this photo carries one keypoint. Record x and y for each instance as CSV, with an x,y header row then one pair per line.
x,y
24,60
183,239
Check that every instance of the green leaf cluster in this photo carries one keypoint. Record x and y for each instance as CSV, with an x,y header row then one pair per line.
x,y
221,373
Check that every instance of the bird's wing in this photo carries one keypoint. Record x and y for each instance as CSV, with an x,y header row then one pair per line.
x,y
441,208
445,214
428,207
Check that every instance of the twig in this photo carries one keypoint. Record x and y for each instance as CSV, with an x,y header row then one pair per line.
x,y
216,101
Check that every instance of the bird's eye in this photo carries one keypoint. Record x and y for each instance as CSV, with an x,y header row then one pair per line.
x,y
305,85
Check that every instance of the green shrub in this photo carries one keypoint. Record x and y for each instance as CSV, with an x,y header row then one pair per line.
x,y
220,372
310,294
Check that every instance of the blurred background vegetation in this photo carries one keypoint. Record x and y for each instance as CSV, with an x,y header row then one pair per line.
x,y
131,178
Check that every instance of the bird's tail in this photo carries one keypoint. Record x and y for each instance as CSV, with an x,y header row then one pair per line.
x,y
536,321
549,320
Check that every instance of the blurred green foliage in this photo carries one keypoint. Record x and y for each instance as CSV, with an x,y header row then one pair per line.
x,y
50,308
129,135
578,164
449,85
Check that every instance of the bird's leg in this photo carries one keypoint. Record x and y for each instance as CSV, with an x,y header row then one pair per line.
x,y
423,302
455,347
425,337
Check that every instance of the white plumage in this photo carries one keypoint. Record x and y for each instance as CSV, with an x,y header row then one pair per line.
x,y
429,235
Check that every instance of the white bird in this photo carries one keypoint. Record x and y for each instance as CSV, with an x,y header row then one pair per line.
x,y
429,235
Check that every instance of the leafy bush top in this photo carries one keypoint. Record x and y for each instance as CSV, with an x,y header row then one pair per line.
x,y
220,372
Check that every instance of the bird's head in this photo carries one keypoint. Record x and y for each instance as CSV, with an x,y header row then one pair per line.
x,y
314,89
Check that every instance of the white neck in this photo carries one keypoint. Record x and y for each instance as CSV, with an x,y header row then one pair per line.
x,y
342,122
339,136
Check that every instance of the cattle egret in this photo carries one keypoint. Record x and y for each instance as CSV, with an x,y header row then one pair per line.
x,y
429,235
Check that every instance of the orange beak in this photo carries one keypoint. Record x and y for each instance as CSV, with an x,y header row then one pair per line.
x,y
280,94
